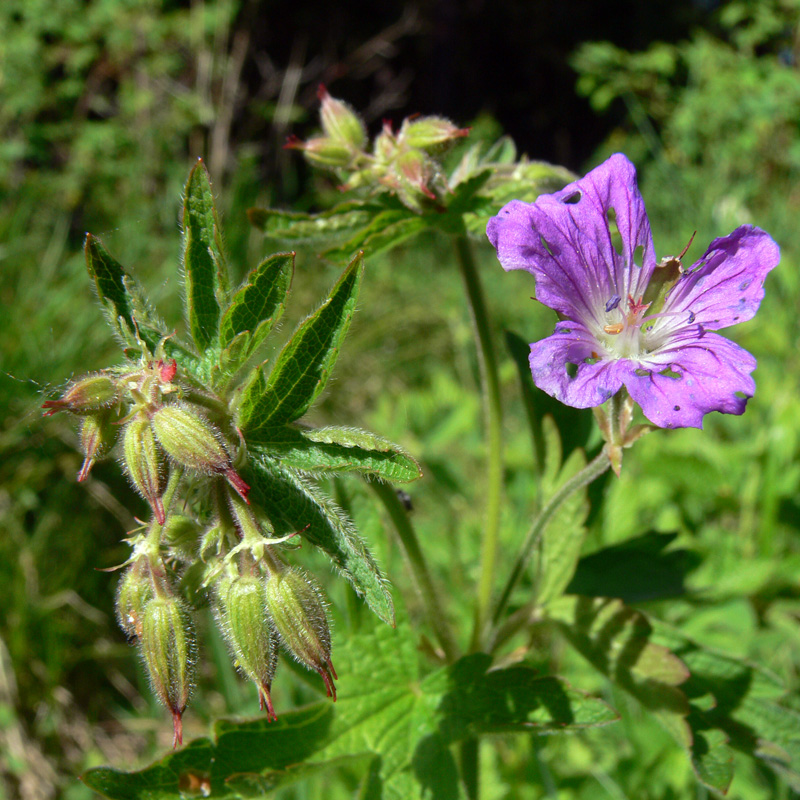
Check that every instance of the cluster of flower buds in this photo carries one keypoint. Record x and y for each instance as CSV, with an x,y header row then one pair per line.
x,y
170,436
403,162
269,604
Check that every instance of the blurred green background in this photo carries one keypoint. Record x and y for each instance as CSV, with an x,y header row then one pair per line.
x,y
105,105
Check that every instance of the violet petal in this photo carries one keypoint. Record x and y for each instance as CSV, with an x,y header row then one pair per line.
x,y
565,240
726,285
567,366
710,373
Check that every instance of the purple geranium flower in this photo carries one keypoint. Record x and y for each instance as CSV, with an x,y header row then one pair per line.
x,y
627,321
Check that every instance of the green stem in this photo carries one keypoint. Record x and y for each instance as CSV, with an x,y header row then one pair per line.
x,y
152,542
419,568
592,470
493,415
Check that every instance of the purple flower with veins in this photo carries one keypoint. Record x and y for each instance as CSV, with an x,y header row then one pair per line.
x,y
625,320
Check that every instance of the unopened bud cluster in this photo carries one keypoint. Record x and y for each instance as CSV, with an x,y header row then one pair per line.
x,y
403,162
175,443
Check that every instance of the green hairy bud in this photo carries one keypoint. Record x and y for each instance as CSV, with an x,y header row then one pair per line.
x,y
297,607
430,132
322,151
247,627
190,440
134,592
340,122
195,443
412,173
385,144
97,437
142,463
86,396
168,648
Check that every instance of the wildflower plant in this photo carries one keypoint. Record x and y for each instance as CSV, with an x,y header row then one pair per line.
x,y
216,449
198,421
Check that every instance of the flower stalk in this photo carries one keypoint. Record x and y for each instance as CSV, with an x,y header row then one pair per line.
x,y
493,416
594,469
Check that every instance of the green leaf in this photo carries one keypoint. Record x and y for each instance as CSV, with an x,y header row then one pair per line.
x,y
254,310
127,309
635,570
562,538
617,640
293,504
476,701
189,767
205,272
386,230
304,365
712,758
390,718
110,282
342,221
335,449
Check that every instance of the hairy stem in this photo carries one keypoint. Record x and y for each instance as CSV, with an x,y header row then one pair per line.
x,y
152,542
592,470
493,415
419,568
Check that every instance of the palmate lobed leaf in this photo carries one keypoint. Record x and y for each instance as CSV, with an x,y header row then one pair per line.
x,y
303,367
337,450
710,702
205,271
388,715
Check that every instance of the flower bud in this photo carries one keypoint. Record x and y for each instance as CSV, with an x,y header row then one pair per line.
x,y
247,627
168,649
322,151
296,605
193,442
142,463
340,122
135,590
430,132
86,396
385,144
409,177
97,437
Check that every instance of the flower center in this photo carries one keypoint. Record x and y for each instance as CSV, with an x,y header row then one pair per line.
x,y
623,336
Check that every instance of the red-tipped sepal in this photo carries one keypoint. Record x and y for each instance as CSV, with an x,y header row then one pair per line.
x,y
168,650
97,437
143,464
245,621
85,396
297,607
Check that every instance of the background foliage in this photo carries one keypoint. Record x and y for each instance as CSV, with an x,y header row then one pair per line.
x,y
105,105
